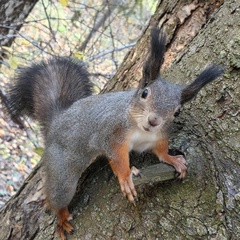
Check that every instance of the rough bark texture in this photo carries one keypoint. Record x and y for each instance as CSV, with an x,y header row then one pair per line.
x,y
12,15
206,205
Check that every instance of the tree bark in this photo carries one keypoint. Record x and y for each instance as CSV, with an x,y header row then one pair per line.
x,y
206,205
12,15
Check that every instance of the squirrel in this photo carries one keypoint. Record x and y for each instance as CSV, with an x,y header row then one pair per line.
x,y
79,126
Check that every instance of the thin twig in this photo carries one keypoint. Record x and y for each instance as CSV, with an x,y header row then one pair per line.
x,y
111,50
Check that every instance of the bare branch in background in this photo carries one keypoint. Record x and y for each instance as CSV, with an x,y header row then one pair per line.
x,y
101,54
110,7
90,31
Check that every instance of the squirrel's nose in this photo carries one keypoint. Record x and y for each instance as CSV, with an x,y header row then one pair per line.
x,y
153,121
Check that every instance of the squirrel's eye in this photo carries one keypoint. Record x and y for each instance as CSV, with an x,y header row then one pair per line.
x,y
145,93
177,112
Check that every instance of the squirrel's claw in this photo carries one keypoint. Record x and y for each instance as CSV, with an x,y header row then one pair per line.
x,y
68,227
135,171
63,224
128,189
179,163
61,233
127,186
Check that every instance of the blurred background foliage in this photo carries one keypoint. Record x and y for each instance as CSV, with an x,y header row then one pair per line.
x,y
98,32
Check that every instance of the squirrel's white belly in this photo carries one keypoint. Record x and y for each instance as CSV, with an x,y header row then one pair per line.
x,y
141,140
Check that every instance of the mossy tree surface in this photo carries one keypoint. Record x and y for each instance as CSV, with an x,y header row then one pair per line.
x,y
206,204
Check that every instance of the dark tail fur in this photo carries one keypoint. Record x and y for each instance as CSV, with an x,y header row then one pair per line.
x,y
48,87
151,69
208,75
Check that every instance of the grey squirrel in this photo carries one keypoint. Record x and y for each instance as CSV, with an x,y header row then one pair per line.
x,y
78,126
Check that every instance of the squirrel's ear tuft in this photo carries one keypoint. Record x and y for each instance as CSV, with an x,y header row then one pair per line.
x,y
151,69
208,75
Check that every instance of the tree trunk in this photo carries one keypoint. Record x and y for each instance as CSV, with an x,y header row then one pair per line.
x,y
206,205
12,15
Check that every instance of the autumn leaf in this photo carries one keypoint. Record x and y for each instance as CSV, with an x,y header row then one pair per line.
x,y
8,49
13,63
79,55
64,2
39,151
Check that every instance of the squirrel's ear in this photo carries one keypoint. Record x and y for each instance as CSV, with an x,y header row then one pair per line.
x,y
208,75
151,69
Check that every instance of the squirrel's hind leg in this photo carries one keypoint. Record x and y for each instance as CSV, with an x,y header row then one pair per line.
x,y
59,197
60,187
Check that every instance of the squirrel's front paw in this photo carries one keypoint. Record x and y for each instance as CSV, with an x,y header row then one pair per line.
x,y
127,185
179,163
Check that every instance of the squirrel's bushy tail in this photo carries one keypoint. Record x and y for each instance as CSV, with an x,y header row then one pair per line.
x,y
48,87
